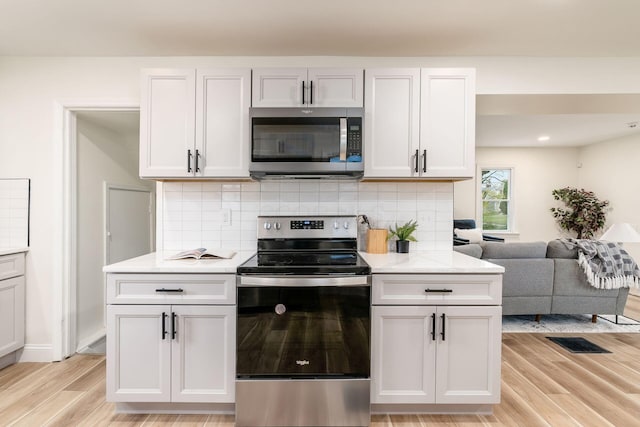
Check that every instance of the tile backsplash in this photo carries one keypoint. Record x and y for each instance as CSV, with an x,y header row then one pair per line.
x,y
208,214
14,213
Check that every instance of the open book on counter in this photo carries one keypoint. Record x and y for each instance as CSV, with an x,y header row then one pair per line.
x,y
200,253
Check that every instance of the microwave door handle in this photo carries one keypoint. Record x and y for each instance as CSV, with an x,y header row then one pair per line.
x,y
343,139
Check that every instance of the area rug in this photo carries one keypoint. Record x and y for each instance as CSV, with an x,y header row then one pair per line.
x,y
567,323
578,345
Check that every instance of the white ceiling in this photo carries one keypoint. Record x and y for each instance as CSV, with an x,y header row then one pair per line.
x,y
590,28
320,27
568,120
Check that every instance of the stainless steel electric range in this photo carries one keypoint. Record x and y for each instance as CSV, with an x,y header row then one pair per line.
x,y
304,326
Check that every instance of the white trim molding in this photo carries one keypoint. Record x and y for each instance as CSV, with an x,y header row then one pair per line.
x,y
64,237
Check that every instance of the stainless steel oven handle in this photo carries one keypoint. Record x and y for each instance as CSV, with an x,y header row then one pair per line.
x,y
301,281
343,139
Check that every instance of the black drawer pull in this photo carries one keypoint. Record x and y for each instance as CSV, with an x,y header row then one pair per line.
x,y
439,290
444,321
169,290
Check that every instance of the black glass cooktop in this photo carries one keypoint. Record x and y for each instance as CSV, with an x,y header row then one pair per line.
x,y
305,263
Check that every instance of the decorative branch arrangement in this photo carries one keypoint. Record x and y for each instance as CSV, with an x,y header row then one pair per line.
x,y
585,213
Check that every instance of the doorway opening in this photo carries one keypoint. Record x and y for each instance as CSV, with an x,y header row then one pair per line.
x,y
101,194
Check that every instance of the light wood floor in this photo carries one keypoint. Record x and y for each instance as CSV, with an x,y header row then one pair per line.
x,y
542,385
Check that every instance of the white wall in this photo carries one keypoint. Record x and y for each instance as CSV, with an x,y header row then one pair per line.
x,y
30,88
610,169
103,155
537,171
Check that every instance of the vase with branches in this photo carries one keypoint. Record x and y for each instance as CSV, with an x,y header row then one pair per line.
x,y
584,214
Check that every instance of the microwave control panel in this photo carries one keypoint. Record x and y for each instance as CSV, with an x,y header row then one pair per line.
x,y
354,137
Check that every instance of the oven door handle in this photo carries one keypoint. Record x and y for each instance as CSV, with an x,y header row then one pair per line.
x,y
302,281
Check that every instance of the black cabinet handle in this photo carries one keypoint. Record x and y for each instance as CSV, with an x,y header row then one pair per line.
x,y
169,290
173,326
303,92
417,158
438,290
424,161
311,92
164,325
433,327
197,156
444,320
189,161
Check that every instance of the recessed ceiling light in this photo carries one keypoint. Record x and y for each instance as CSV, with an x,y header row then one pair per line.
x,y
543,138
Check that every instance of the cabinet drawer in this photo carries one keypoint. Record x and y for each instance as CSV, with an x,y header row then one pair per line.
x,y
437,289
11,265
171,289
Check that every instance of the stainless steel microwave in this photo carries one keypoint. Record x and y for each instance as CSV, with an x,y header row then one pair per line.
x,y
306,143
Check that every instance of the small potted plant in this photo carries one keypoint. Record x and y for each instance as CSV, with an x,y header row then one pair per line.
x,y
404,233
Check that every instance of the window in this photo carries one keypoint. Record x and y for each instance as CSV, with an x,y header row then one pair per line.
x,y
496,198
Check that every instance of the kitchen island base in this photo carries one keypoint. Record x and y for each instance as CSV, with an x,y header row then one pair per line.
x,y
434,409
174,408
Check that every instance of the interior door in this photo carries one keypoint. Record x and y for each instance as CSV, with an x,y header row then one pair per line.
x,y
129,222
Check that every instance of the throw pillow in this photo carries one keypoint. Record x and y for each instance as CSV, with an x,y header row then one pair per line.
x,y
473,235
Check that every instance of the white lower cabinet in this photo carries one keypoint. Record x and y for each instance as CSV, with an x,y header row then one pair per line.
x,y
435,354
176,352
11,306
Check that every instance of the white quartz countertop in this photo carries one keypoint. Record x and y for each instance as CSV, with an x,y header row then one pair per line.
x,y
9,251
414,262
429,262
157,262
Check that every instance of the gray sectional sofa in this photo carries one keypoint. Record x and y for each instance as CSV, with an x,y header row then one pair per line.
x,y
543,278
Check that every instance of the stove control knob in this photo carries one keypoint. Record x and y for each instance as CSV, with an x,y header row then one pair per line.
x,y
336,225
346,225
276,225
267,226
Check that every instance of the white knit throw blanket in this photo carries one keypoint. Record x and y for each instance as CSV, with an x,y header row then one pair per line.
x,y
606,264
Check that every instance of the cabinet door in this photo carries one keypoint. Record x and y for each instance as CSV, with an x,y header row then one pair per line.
x,y
392,122
278,87
447,124
402,355
138,353
468,354
167,122
336,87
11,315
223,97
203,354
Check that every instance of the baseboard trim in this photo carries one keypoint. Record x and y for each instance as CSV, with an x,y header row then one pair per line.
x,y
35,353
85,343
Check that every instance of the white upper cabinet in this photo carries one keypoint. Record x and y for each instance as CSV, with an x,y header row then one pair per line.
x,y
167,122
195,123
223,98
392,122
302,87
419,123
447,122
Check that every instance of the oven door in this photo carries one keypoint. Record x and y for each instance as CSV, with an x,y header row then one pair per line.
x,y
306,327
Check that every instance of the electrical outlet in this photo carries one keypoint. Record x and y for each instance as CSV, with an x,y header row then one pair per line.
x,y
226,216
